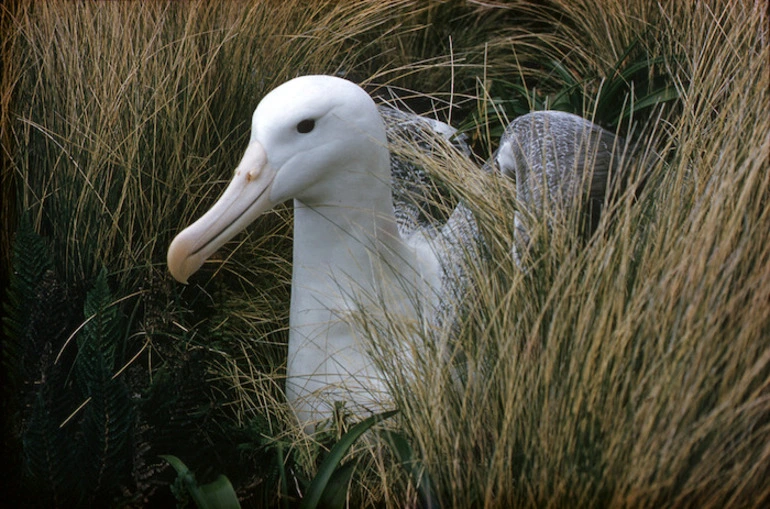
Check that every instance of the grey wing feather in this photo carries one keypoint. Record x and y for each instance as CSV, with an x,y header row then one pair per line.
x,y
559,161
456,238
415,195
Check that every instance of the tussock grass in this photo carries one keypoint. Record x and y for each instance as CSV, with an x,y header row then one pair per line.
x,y
632,369
151,114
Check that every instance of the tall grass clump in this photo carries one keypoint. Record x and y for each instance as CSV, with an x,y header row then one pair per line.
x,y
633,369
159,80
629,368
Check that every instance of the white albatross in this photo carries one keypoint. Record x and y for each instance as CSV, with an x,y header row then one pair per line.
x,y
321,142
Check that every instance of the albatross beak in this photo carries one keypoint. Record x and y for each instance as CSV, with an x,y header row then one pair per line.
x,y
246,197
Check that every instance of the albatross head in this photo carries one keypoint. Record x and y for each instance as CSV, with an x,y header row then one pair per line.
x,y
306,135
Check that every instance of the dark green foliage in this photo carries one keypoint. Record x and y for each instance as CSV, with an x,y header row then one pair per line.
x,y
413,466
175,415
218,494
31,265
37,317
329,486
265,456
630,91
49,457
108,416
66,457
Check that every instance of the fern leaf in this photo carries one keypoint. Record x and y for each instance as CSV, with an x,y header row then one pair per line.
x,y
48,452
37,319
108,418
31,261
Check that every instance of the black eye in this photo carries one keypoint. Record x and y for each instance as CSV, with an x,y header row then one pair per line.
x,y
305,126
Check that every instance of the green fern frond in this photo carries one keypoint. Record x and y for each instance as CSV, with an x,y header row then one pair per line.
x,y
107,429
99,339
48,452
108,417
31,261
37,320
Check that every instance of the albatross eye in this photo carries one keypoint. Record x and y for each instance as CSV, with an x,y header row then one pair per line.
x,y
305,126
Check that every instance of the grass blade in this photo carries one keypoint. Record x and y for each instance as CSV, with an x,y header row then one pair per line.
x,y
420,477
330,464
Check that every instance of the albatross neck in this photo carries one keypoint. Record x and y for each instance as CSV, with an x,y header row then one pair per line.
x,y
345,230
348,216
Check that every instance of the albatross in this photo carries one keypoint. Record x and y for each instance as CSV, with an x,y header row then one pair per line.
x,y
561,163
322,142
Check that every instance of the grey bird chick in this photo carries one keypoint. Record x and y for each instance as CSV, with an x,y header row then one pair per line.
x,y
559,161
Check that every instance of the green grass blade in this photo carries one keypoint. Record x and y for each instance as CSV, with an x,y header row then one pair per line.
x,y
330,464
218,494
653,99
335,492
420,477
188,479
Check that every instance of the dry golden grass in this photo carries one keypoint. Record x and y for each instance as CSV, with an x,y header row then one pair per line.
x,y
130,113
632,370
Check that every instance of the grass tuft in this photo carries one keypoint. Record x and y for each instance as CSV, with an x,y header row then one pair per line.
x,y
631,368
